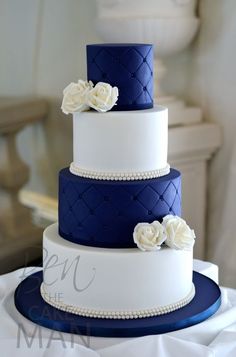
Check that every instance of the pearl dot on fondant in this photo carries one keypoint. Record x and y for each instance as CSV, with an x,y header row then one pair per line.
x,y
117,314
125,176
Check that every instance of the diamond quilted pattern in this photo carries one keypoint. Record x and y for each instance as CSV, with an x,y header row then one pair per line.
x,y
132,60
92,197
71,194
129,67
148,197
80,210
104,213
93,224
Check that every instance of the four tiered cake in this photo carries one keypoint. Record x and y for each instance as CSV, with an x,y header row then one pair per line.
x,y
120,249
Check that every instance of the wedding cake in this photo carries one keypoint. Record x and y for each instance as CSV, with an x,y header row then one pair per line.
x,y
120,239
120,259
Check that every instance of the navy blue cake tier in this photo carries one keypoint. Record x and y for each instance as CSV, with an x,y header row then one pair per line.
x,y
126,66
104,213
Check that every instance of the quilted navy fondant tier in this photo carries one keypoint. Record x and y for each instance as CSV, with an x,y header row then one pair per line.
x,y
126,66
104,213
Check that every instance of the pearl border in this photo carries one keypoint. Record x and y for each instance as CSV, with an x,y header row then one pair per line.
x,y
103,314
119,176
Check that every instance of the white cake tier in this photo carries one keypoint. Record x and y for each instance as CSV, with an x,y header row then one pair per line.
x,y
114,283
121,144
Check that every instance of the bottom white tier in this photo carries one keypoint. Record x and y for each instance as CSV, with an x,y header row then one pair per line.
x,y
114,283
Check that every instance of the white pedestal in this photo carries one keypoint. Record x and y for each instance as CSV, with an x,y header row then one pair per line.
x,y
190,148
178,112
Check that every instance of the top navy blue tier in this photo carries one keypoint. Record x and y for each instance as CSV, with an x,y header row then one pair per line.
x,y
103,213
126,66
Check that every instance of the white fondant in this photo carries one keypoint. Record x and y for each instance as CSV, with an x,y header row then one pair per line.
x,y
124,176
116,314
119,280
122,141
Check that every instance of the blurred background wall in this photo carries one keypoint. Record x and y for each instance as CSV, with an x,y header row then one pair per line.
x,y
42,50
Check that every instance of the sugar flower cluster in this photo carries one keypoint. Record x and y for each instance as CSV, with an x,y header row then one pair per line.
x,y
173,231
83,95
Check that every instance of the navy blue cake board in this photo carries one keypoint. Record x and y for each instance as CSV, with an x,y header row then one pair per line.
x,y
31,305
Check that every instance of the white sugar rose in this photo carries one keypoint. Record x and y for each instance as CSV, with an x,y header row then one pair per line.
x,y
179,234
149,236
75,96
102,97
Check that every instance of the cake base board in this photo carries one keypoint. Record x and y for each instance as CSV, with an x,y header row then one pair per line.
x,y
31,305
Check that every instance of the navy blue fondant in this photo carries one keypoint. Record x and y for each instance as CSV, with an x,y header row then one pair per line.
x,y
31,305
104,213
126,66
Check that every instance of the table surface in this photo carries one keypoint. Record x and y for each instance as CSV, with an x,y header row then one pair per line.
x,y
20,337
